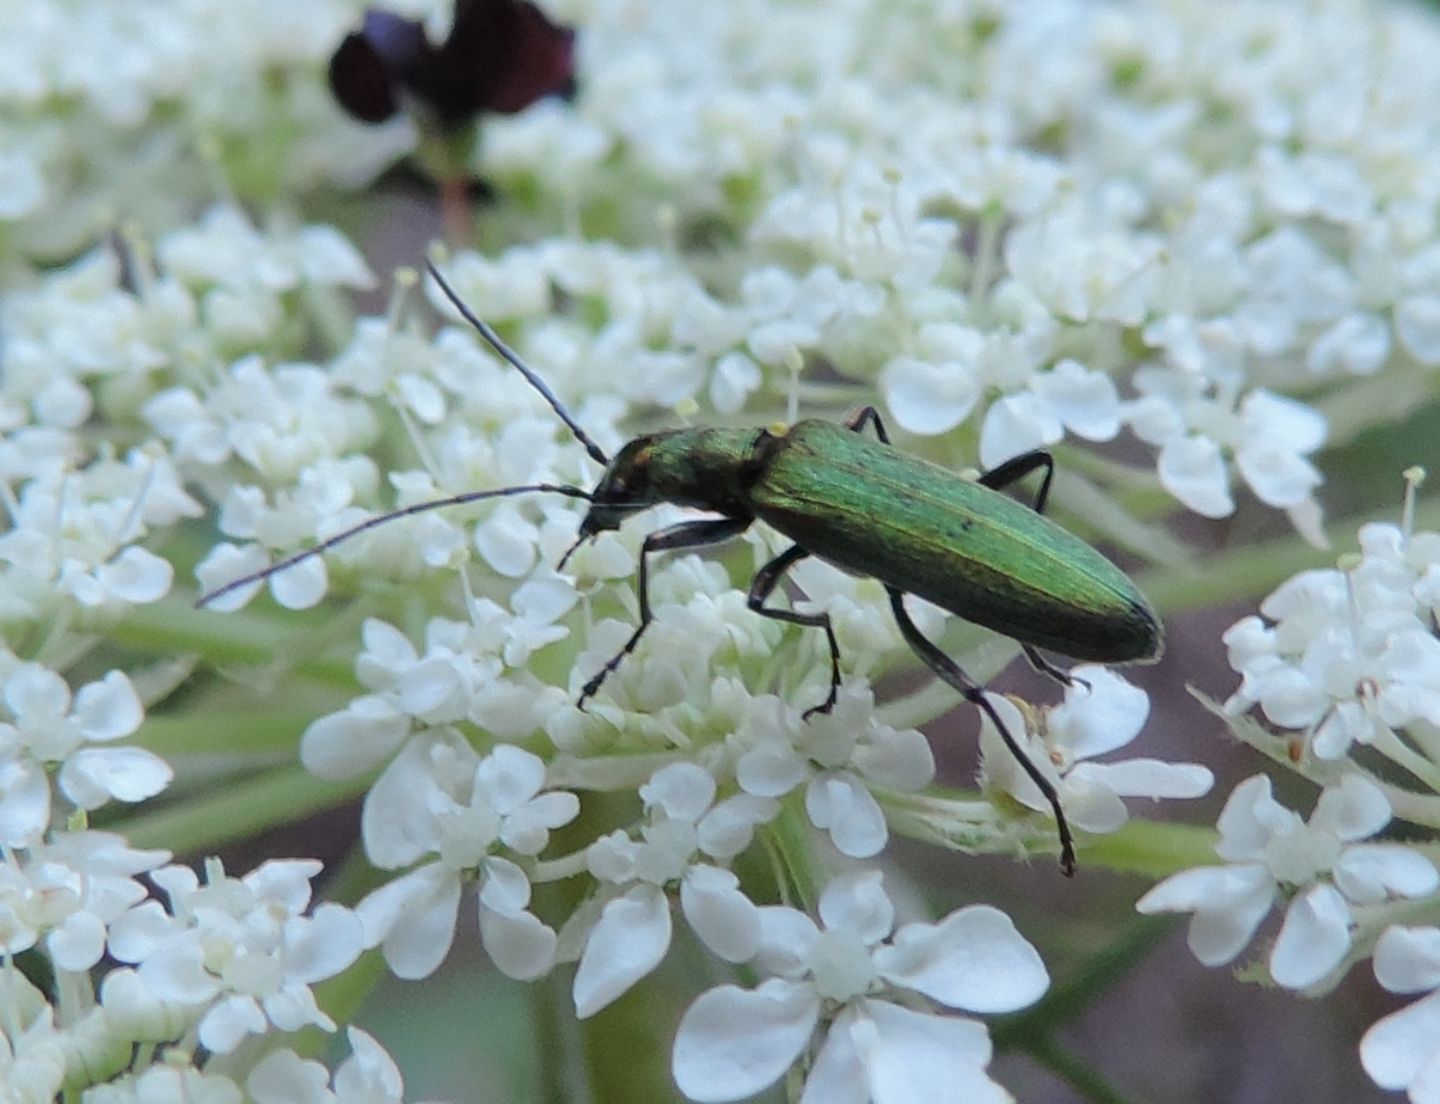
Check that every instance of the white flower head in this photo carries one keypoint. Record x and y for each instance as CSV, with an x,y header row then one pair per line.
x,y
857,983
438,799
837,756
1321,865
1101,713
43,727
242,952
1346,656
685,837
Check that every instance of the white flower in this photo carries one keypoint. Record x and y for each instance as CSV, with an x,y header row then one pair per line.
x,y
633,931
1321,864
1101,713
733,1042
837,756
240,949
68,891
1347,656
438,798
47,728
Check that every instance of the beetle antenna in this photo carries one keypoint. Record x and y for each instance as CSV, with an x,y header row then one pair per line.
x,y
370,523
493,339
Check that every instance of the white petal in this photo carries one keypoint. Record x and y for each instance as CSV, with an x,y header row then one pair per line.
x,y
137,576
771,770
369,1069
510,776
413,918
357,739
1101,712
1395,1050
1086,401
1193,470
1249,819
520,945
283,1077
1357,344
225,564
727,829
837,1076
841,804
722,916
857,902
108,709
1354,809
1015,424
732,1043
901,760
1278,476
229,1021
24,802
627,942
972,959
397,823
1407,959
1313,939
1228,901
301,585
93,775
1147,778
928,398
1368,873
33,692
683,790
787,937
915,1058
322,944
78,942
1090,804
505,887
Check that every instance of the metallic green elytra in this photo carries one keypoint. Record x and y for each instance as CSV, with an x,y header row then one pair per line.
x,y
868,508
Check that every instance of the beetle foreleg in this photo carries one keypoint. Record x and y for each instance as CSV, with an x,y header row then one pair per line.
x,y
687,534
764,584
950,673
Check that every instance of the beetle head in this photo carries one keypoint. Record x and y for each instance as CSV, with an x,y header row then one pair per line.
x,y
624,489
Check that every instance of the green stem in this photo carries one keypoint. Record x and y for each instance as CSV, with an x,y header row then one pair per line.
x,y
173,626
1079,1075
213,818
789,836
231,733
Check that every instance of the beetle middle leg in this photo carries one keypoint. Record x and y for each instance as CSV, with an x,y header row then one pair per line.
x,y
950,673
764,584
686,534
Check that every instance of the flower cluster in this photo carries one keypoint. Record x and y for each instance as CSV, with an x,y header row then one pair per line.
x,y
1345,665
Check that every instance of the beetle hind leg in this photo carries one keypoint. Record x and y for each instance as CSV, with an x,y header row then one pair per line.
x,y
764,584
950,673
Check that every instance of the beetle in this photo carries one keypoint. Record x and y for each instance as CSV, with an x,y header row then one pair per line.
x,y
869,509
